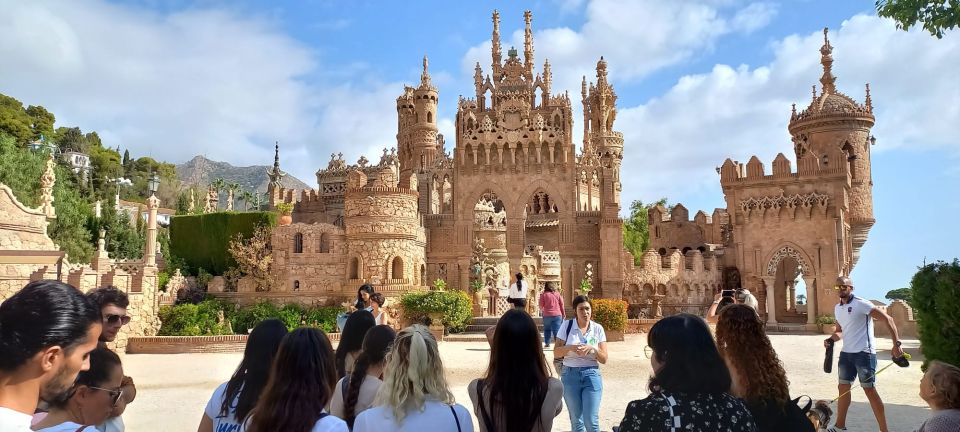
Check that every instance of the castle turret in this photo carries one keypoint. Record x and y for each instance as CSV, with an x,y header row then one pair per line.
x,y
417,136
275,187
836,129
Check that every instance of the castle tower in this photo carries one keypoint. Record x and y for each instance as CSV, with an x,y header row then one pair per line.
x,y
274,188
417,135
835,129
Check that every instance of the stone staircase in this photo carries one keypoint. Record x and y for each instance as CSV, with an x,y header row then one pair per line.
x,y
475,331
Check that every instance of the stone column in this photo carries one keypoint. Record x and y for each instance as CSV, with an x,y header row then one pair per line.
x,y
812,308
150,252
768,283
792,298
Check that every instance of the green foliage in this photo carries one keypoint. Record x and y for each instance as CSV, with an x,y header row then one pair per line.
x,y
42,121
826,320
203,278
14,120
284,208
293,315
936,16
440,285
324,318
247,317
610,313
105,165
202,240
586,286
162,278
904,294
636,228
454,307
123,240
476,285
936,305
206,318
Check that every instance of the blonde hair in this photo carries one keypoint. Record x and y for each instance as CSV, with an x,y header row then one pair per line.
x,y
945,378
414,372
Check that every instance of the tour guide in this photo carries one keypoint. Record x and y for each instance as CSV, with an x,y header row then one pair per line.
x,y
858,358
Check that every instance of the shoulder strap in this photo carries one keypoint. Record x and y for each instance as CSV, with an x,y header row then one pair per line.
x,y
485,416
455,418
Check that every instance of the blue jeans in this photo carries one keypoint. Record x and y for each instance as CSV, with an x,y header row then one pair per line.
x,y
551,325
861,365
582,388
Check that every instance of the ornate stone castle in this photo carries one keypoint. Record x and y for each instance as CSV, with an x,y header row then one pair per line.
x,y
515,195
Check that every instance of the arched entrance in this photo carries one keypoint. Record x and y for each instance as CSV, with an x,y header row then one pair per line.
x,y
788,274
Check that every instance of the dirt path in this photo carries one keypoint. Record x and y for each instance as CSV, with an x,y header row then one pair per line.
x,y
173,389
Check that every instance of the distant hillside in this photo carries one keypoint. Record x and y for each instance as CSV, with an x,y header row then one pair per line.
x,y
201,171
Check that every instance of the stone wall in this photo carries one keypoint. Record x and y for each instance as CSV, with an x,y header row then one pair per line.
x,y
902,315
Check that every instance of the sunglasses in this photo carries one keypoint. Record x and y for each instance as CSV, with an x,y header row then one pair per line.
x,y
114,394
840,287
113,319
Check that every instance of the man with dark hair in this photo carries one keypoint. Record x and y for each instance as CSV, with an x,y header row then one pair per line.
x,y
47,331
858,358
113,308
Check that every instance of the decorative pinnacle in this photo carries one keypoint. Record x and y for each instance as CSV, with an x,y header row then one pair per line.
x,y
276,155
495,48
868,102
425,75
826,59
814,91
528,39
793,110
583,87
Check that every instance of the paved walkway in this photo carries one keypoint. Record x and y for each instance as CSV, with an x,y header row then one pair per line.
x,y
173,389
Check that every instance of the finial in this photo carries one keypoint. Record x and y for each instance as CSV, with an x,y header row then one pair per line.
x,y
814,91
601,72
495,47
868,102
826,59
793,110
528,40
583,87
425,75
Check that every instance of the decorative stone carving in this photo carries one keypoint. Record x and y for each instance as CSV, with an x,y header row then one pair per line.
x,y
784,252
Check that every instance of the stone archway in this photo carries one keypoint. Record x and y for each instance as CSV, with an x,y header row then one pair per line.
x,y
789,271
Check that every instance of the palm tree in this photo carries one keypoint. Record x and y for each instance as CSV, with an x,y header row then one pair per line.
x,y
218,185
232,189
246,196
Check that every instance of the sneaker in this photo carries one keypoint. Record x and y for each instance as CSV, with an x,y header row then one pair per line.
x,y
835,429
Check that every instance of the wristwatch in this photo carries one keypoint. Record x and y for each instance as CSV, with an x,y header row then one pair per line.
x,y
897,344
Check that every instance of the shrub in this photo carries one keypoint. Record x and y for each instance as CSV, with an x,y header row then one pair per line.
x,y
610,313
162,278
202,240
206,318
324,317
936,304
823,320
292,315
248,317
454,306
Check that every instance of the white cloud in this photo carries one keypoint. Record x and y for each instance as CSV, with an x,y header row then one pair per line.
x,y
754,16
677,139
197,81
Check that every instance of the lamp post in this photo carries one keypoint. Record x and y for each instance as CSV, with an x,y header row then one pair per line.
x,y
153,203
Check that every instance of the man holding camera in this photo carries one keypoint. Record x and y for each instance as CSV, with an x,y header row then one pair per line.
x,y
858,358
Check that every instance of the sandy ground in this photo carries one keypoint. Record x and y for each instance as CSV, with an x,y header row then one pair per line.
x,y
173,389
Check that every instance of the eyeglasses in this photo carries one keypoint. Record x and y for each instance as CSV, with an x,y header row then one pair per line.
x,y
840,287
114,319
114,394
647,351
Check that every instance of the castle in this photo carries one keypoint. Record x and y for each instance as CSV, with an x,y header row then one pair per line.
x,y
515,195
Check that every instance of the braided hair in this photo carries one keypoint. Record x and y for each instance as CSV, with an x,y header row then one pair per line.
x,y
376,345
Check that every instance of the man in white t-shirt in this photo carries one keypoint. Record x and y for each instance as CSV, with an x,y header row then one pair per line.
x,y
518,293
47,331
858,358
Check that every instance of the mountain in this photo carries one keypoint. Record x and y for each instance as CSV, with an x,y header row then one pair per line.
x,y
201,171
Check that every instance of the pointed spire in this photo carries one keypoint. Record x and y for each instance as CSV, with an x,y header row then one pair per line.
x,y
477,78
601,73
826,59
275,174
868,102
583,88
425,75
793,110
495,49
528,41
547,75
814,92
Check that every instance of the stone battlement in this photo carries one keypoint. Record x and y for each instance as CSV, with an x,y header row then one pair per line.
x,y
732,172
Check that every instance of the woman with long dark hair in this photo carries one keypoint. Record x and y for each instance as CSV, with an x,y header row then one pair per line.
x,y
351,340
232,401
300,385
355,392
582,343
415,396
377,301
756,373
690,383
517,392
363,303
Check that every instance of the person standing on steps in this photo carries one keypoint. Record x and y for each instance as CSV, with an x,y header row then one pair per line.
x,y
551,307
858,358
518,293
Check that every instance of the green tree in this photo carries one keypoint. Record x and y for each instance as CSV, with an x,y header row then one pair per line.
x,y
183,203
247,198
124,240
936,16
900,294
14,120
71,139
936,305
126,161
41,121
106,166
218,185
636,228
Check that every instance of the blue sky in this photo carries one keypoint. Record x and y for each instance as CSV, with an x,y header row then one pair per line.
x,y
698,81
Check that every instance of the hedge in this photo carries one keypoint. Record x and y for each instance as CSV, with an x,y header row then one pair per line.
x,y
936,306
455,307
201,241
610,313
202,319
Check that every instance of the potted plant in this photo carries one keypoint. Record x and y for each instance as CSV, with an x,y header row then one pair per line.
x,y
286,213
476,287
586,286
827,324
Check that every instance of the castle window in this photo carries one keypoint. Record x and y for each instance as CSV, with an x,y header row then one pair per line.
x,y
298,243
429,117
296,285
324,243
354,268
397,268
